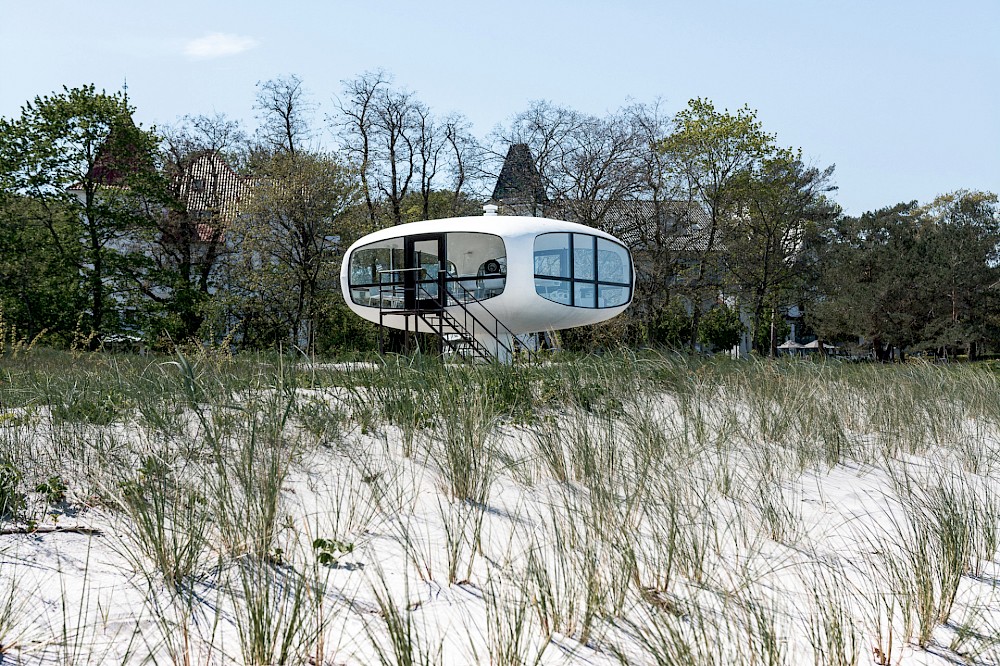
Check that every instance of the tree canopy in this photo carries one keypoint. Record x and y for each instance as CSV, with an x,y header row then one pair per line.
x,y
917,277
730,231
94,176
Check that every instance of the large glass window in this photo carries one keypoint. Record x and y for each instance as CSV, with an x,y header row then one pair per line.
x,y
475,268
552,255
599,275
373,268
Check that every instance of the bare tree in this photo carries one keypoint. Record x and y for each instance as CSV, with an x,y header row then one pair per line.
x,y
393,140
192,134
588,165
547,130
660,225
354,126
284,110
397,131
465,157
429,145
600,167
200,153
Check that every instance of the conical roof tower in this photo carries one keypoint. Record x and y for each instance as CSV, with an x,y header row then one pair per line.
x,y
519,189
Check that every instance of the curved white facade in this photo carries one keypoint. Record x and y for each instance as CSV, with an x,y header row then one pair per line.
x,y
530,273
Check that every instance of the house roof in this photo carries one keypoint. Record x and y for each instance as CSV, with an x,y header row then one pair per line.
x,y
519,180
115,158
208,184
118,156
679,225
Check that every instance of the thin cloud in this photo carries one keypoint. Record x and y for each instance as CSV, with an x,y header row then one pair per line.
x,y
218,45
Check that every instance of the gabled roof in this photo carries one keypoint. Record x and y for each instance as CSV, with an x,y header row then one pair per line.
x,y
207,183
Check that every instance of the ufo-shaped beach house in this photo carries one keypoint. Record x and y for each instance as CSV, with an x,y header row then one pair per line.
x,y
480,283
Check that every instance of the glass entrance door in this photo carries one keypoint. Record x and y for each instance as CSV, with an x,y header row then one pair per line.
x,y
425,271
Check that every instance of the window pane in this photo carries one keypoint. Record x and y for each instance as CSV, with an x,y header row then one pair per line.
x,y
553,290
368,261
583,257
584,295
612,262
426,258
474,254
367,267
552,255
610,297
480,262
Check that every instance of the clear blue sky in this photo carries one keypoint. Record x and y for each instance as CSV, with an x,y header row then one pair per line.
x,y
903,96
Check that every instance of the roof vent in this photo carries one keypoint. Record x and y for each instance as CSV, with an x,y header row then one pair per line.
x,y
490,210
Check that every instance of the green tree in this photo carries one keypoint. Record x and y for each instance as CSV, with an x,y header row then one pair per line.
x,y
711,154
79,151
721,328
673,325
39,286
768,245
917,277
961,232
291,240
771,328
438,204
873,279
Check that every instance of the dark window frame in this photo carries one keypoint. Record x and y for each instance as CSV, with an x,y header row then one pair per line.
x,y
397,281
596,283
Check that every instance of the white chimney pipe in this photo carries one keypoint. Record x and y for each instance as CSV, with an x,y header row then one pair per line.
x,y
490,210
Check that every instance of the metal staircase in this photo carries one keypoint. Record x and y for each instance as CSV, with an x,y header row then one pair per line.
x,y
455,338
460,331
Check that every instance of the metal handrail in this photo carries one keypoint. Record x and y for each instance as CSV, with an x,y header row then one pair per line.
x,y
516,343
400,270
470,315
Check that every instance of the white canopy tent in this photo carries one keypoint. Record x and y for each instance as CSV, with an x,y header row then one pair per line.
x,y
814,345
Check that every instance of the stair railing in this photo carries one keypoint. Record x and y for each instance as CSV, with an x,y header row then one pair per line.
x,y
462,328
498,327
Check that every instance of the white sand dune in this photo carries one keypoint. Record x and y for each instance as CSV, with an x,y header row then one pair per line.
x,y
750,516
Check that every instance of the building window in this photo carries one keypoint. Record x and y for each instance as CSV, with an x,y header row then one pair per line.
x,y
373,265
470,266
477,265
198,184
582,271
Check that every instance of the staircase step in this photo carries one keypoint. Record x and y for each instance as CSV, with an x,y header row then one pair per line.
x,y
460,341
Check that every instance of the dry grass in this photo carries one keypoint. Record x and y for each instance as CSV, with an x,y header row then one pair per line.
x,y
622,509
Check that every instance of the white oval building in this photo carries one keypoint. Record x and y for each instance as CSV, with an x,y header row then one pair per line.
x,y
478,282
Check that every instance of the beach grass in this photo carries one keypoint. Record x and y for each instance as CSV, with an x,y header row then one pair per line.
x,y
634,507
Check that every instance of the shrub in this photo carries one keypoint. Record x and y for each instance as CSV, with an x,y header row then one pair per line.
x,y
53,489
12,500
721,328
